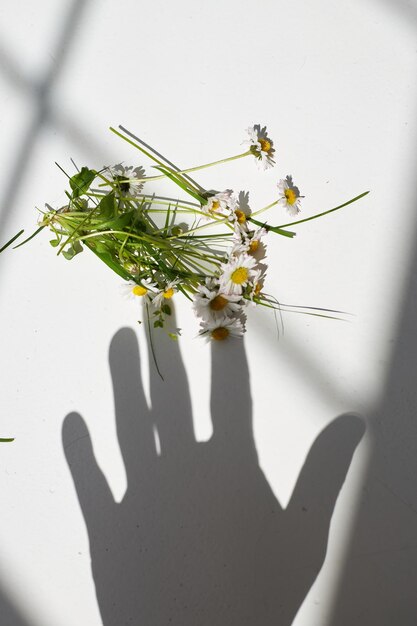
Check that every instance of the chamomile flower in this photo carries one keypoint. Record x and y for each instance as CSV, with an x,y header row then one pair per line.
x,y
165,294
237,273
240,246
261,146
239,217
257,283
125,179
289,197
222,329
143,290
220,203
255,238
254,244
212,303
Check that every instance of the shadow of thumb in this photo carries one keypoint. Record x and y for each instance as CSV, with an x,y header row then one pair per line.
x,y
326,467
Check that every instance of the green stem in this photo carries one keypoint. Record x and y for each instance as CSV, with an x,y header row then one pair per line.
x,y
144,237
223,220
187,171
313,217
269,206
202,167
151,342
275,229
136,145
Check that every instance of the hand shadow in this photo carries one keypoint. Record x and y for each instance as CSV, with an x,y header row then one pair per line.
x,y
199,537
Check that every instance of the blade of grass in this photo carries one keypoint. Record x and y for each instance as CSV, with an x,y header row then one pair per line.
x,y
275,229
9,243
158,154
29,238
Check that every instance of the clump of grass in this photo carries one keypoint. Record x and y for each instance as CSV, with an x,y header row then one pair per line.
x,y
208,245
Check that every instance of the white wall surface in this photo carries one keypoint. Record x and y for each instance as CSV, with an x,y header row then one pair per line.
x,y
335,83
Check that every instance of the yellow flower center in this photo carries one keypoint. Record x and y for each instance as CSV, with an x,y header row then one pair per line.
x,y
218,303
168,293
240,276
265,144
215,205
241,217
290,195
220,333
254,245
138,290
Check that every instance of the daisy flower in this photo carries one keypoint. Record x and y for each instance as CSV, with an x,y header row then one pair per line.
x,y
251,244
237,273
165,294
144,289
212,304
241,213
261,146
256,246
124,179
241,246
220,202
258,281
255,236
289,196
221,329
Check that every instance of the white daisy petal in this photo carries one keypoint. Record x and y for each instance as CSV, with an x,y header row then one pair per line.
x,y
237,273
219,330
126,180
261,146
214,304
221,203
289,196
145,289
165,294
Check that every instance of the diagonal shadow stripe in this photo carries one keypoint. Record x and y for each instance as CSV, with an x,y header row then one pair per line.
x,y
10,614
377,585
41,92
377,581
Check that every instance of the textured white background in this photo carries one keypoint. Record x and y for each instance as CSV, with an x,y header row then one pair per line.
x,y
335,83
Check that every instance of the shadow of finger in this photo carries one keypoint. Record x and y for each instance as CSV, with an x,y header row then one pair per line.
x,y
90,484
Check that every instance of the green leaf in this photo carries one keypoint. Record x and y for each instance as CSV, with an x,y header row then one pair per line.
x,y
72,250
105,256
139,225
121,222
69,254
81,181
158,324
77,247
99,247
54,242
106,206
165,308
275,229
6,439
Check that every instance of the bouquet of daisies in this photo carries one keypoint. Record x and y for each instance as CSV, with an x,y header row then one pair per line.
x,y
208,245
